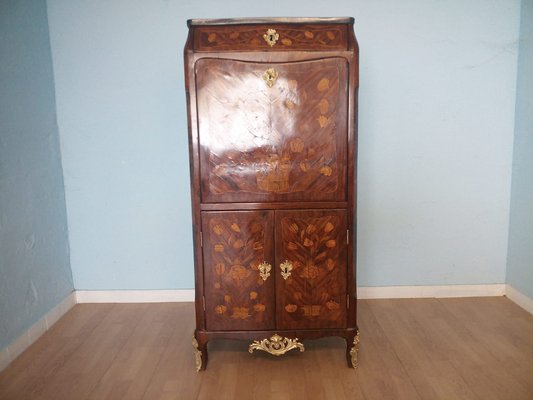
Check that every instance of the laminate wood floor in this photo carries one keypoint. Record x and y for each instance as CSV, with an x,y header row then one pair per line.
x,y
475,348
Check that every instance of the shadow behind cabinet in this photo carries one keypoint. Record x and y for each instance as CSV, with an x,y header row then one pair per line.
x,y
272,139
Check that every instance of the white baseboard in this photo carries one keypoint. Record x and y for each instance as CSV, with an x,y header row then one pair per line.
x,y
381,292
134,296
183,295
25,340
363,292
405,292
519,298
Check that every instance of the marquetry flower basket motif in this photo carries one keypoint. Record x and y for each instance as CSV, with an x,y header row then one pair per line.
x,y
236,248
314,288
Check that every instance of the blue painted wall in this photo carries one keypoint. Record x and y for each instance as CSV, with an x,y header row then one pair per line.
x,y
520,258
34,256
436,120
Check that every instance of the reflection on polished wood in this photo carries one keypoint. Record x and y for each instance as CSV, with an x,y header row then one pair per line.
x,y
284,140
475,348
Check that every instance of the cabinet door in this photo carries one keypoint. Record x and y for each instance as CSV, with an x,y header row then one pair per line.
x,y
313,244
277,139
237,295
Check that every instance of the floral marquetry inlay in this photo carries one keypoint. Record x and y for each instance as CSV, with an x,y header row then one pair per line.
x,y
326,37
273,141
235,247
314,246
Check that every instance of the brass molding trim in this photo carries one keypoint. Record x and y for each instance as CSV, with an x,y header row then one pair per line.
x,y
276,345
354,350
197,354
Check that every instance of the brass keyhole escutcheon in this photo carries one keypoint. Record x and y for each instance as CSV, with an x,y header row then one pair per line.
x,y
264,270
286,269
271,37
270,77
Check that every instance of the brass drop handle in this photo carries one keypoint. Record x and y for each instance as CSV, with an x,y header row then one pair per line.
x,y
286,268
264,270
271,37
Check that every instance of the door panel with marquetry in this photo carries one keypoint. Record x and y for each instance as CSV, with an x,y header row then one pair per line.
x,y
239,287
311,262
272,131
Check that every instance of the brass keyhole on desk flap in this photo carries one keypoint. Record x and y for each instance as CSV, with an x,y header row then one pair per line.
x,y
271,37
270,77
